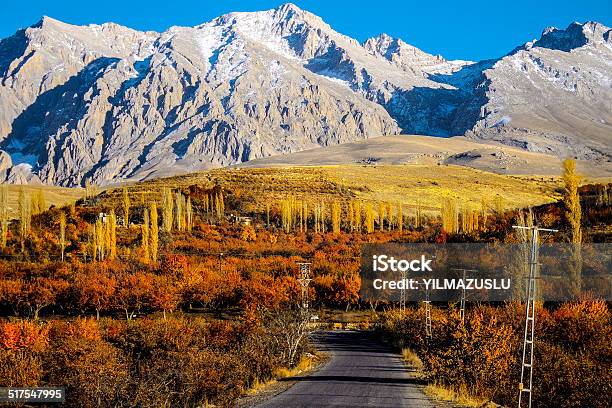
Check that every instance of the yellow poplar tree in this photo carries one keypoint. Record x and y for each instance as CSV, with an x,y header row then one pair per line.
x,y
357,211
126,207
25,215
381,216
179,213
112,226
400,217
167,209
571,199
369,218
336,215
4,215
145,245
154,231
573,214
189,213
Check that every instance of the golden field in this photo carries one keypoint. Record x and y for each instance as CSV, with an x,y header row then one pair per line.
x,y
408,184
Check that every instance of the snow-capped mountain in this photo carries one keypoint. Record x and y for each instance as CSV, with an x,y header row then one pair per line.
x,y
106,103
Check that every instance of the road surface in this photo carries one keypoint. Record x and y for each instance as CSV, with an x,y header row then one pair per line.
x,y
360,373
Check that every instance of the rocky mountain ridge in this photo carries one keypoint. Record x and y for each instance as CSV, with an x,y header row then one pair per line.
x,y
106,103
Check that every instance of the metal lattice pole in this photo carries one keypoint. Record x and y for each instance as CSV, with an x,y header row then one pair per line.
x,y
402,304
462,302
304,281
526,384
428,331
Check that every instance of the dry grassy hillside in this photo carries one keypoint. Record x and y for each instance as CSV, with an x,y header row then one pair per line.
x,y
57,196
408,184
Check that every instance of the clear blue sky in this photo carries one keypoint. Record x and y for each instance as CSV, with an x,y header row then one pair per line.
x,y
457,29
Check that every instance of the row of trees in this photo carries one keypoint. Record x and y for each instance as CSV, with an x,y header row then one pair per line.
x,y
351,216
355,216
176,282
28,205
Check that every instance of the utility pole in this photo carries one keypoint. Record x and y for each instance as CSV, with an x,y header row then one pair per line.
x,y
304,280
428,331
402,304
526,384
462,303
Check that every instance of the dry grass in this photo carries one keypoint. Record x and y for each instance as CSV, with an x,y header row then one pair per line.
x,y
57,196
406,184
307,363
459,398
411,359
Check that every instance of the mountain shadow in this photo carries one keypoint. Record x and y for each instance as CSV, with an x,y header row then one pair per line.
x,y
54,113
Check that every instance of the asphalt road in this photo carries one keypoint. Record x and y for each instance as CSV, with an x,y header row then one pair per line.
x,y
360,373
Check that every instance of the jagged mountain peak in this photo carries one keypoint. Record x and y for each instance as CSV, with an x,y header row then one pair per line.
x,y
287,30
409,58
389,46
576,35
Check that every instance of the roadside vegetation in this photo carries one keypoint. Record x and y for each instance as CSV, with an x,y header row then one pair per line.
x,y
481,358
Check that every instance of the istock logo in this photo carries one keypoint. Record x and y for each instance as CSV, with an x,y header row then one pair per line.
x,y
383,263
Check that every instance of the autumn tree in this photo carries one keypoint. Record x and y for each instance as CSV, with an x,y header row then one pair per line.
x,y
499,205
357,215
318,218
126,207
449,213
12,294
144,243
571,200
323,216
369,218
573,215
42,292
62,226
289,330
133,292
112,233
179,210
165,295
38,202
167,209
91,189
4,215
94,291
305,215
219,203
336,215
189,214
400,217
154,233
25,216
